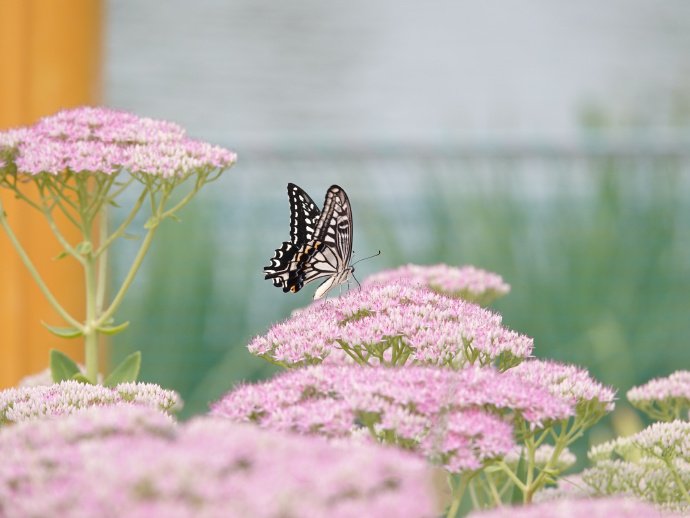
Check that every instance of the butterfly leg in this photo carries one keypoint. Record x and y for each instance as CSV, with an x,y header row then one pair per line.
x,y
355,278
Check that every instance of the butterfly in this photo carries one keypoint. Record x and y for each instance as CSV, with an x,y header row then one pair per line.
x,y
320,243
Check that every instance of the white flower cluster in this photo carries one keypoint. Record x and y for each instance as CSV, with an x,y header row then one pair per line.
x,y
653,465
64,398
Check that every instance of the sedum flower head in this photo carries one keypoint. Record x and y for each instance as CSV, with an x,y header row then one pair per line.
x,y
86,423
571,383
66,397
466,282
663,399
147,466
659,440
653,464
108,141
458,418
393,324
577,508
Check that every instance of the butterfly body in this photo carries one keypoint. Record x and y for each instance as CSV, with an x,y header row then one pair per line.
x,y
320,243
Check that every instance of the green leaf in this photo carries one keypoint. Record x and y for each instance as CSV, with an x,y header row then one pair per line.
x,y
126,372
113,203
81,378
63,332
62,367
113,330
61,255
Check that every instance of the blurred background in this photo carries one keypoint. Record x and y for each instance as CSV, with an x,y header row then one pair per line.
x,y
546,141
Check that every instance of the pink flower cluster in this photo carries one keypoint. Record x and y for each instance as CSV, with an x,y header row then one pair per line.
x,y
578,508
67,397
572,384
466,282
108,141
393,324
457,418
129,461
663,398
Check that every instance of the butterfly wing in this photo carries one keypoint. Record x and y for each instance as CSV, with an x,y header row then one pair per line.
x,y
320,246
332,243
334,227
304,215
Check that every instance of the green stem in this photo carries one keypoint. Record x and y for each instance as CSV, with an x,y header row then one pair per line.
x,y
121,186
34,273
58,199
61,239
146,243
678,479
492,489
458,493
100,195
184,201
91,329
101,279
509,473
106,240
535,484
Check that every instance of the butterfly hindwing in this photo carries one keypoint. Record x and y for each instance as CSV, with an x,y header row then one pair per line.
x,y
320,246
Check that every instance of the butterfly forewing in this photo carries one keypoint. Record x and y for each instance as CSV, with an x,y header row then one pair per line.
x,y
304,214
321,243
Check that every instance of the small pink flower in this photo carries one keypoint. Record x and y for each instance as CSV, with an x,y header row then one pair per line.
x,y
677,385
459,418
572,384
133,461
108,141
664,399
393,323
466,282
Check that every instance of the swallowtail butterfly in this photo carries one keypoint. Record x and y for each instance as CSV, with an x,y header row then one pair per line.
x,y
320,243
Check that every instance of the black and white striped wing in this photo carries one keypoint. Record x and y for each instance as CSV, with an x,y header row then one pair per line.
x,y
320,246
304,214
334,229
330,251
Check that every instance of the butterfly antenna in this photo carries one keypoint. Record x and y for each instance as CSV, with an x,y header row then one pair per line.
x,y
365,258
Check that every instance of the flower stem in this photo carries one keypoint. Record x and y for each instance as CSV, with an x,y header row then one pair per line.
x,y
34,273
146,243
91,330
678,479
458,493
101,279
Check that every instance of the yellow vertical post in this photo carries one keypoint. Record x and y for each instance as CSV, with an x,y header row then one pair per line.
x,y
51,56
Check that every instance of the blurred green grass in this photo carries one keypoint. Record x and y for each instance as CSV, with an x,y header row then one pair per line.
x,y
597,253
